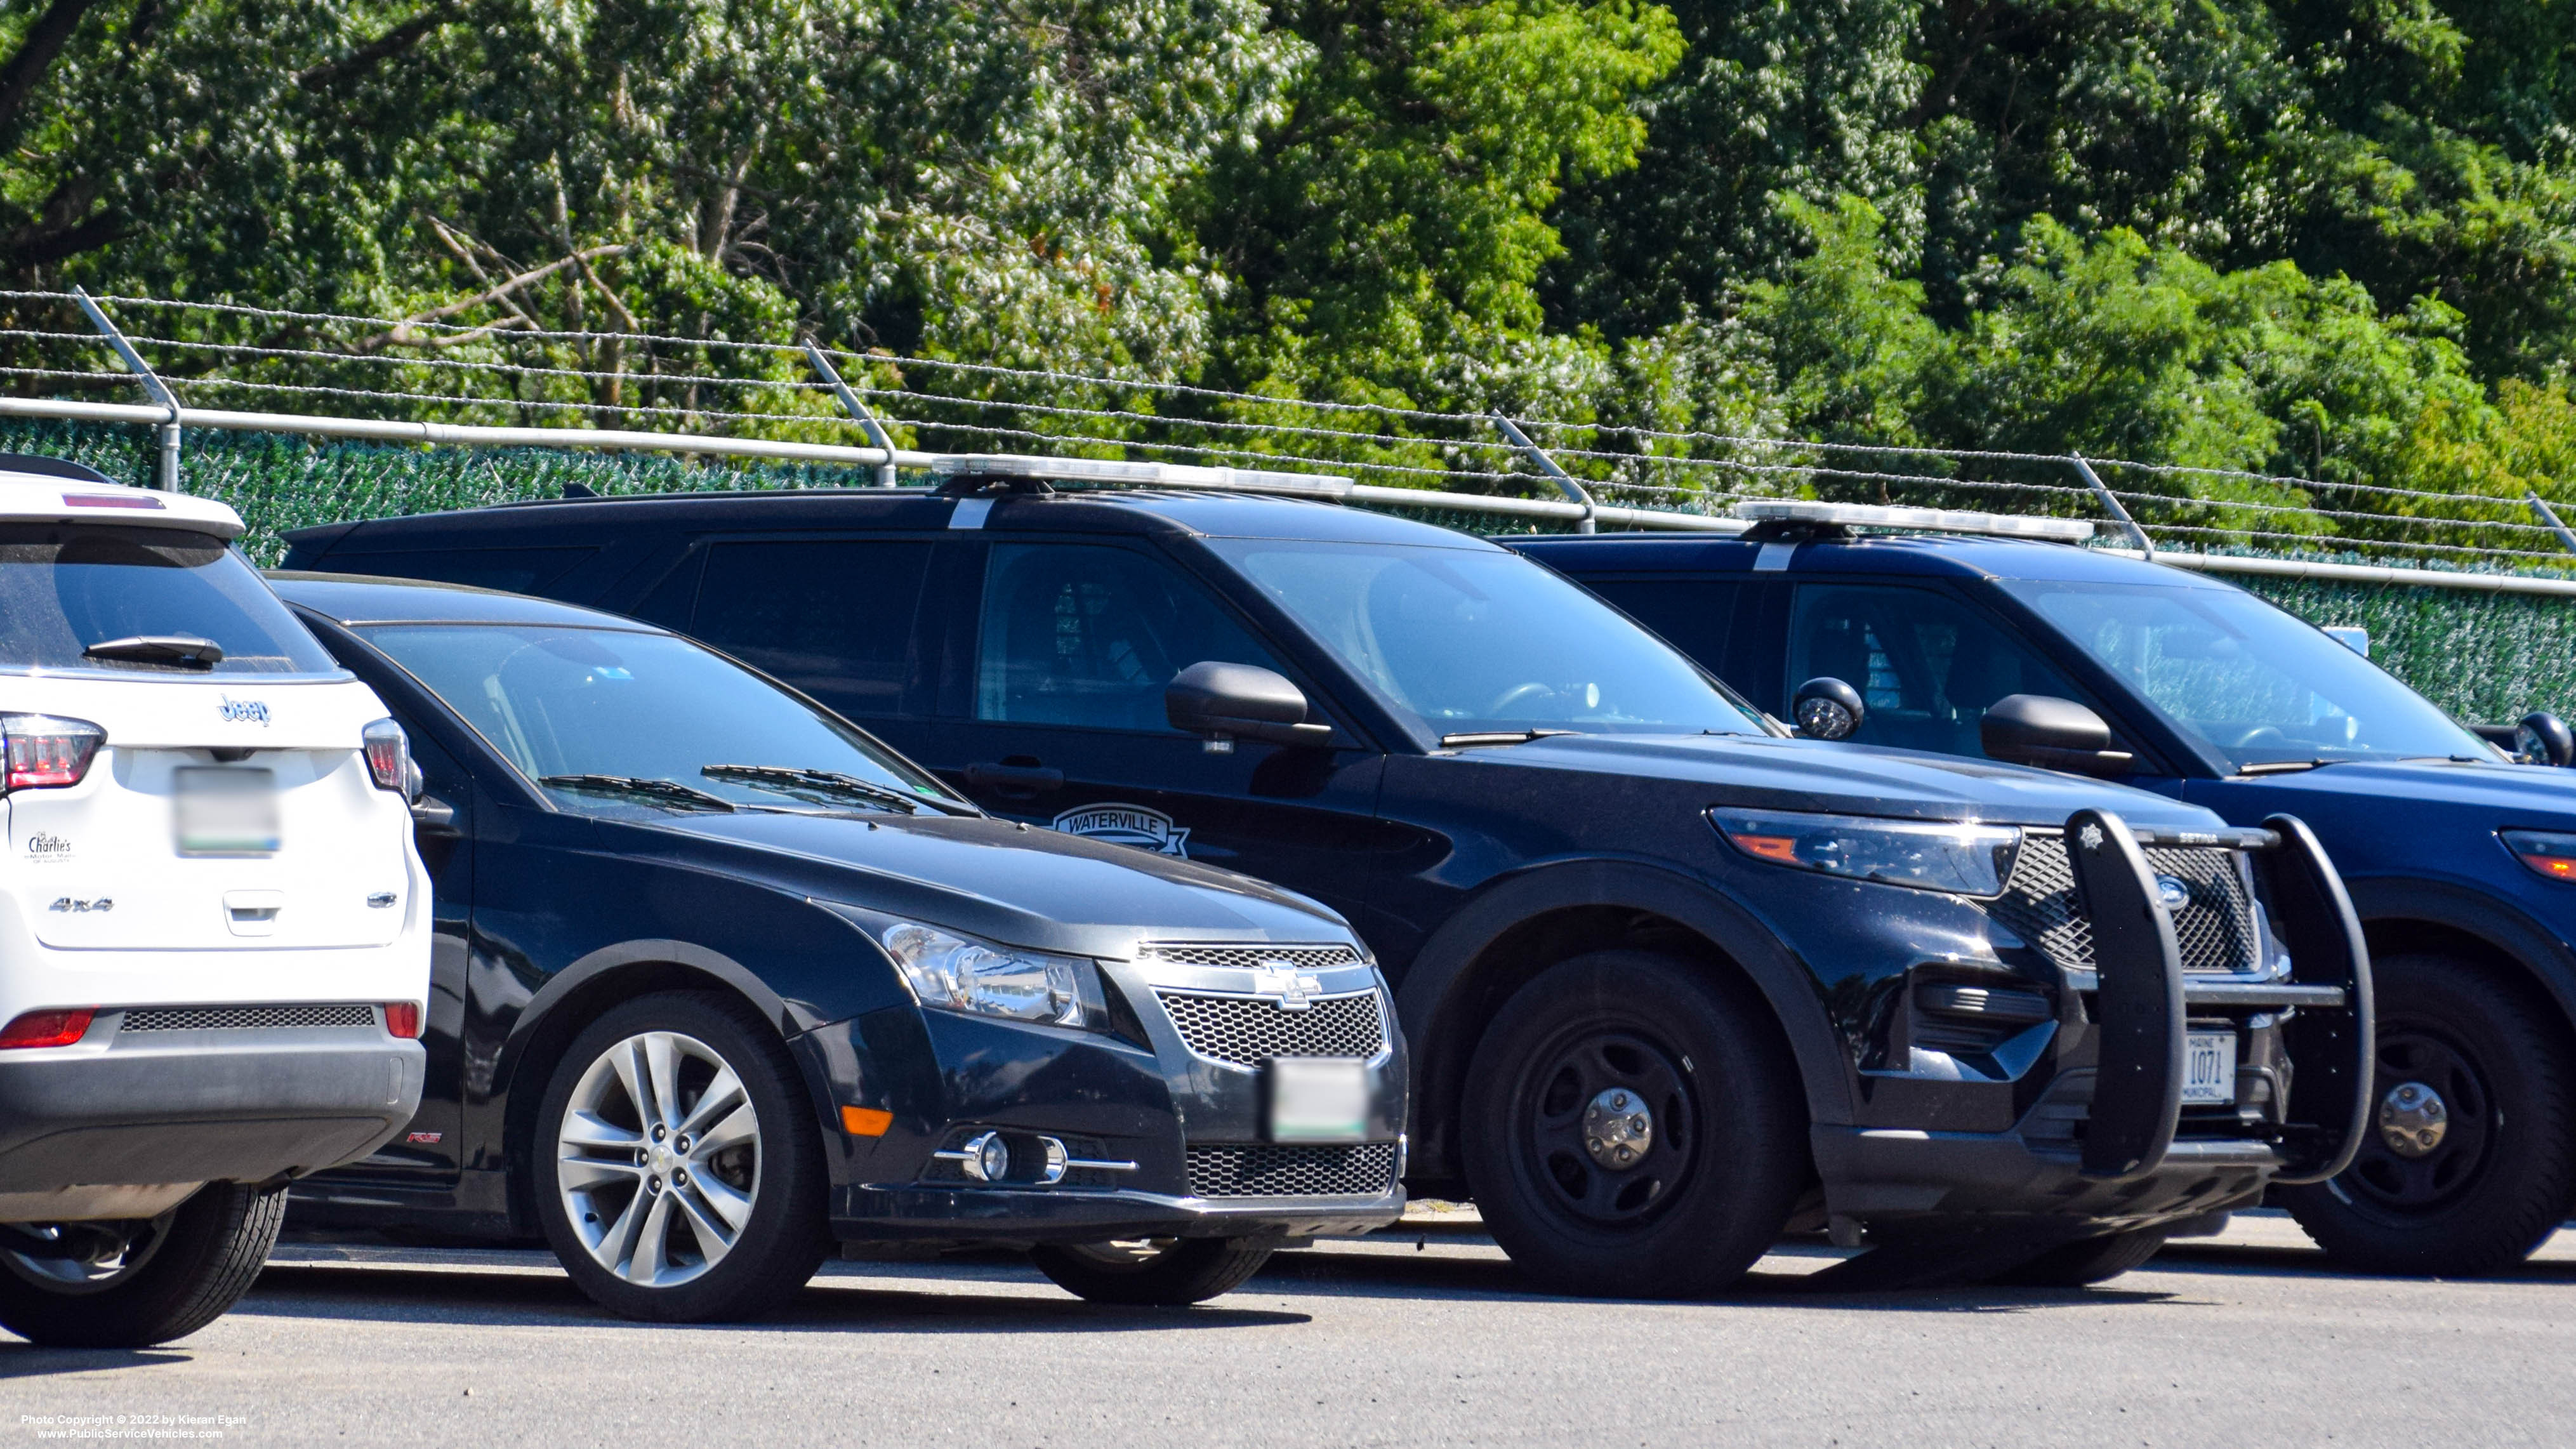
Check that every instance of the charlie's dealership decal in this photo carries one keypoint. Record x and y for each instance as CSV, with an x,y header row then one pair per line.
x,y
1128,825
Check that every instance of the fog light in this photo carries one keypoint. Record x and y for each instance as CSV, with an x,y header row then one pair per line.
x,y
988,1158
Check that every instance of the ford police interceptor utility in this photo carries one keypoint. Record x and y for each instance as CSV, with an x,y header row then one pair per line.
x,y
214,944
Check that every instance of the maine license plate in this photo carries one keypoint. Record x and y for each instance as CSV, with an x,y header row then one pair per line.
x,y
1318,1099
226,810
2208,1068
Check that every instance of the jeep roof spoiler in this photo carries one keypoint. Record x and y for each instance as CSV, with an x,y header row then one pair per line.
x,y
52,490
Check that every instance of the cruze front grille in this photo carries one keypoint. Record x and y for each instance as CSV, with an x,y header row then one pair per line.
x,y
1249,1030
1321,1171
2215,928
1252,958
245,1018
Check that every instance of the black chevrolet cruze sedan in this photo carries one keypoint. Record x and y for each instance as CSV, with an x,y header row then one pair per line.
x,y
720,979
1674,979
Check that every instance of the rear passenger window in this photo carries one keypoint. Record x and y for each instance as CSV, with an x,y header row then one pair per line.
x,y
1088,635
1691,614
832,617
511,570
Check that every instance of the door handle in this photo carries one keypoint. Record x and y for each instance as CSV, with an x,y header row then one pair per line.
x,y
1034,778
433,818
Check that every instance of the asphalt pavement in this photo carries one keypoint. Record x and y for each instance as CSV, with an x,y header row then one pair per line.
x,y
1426,1338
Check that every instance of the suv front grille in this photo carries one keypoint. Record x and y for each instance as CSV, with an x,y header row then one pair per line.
x,y
245,1018
1249,1030
1335,1171
2215,929
1252,958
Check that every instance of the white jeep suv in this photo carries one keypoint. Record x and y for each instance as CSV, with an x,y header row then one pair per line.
x,y
214,929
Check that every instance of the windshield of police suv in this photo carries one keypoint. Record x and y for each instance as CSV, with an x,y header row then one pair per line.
x,y
163,594
2255,683
1470,641
607,719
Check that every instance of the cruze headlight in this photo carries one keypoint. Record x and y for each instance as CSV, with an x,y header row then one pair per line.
x,y
1962,857
959,973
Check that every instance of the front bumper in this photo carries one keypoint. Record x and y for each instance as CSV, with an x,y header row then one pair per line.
x,y
1163,1140
162,1107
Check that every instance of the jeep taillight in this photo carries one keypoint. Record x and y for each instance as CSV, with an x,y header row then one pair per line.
x,y
47,1028
388,756
47,751
402,1018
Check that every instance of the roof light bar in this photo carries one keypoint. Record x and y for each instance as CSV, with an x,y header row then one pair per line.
x,y
1141,475
1912,520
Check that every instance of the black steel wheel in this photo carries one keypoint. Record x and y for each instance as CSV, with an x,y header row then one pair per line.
x,y
1632,1127
2470,1158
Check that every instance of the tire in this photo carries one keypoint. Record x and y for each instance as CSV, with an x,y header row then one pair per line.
x,y
1165,1272
1596,1043
2087,1261
2499,1177
731,1147
139,1283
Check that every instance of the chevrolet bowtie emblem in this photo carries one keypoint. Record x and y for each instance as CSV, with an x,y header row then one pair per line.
x,y
1295,992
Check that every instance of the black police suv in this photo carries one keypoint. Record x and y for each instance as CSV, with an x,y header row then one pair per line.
x,y
1673,980
2461,864
718,979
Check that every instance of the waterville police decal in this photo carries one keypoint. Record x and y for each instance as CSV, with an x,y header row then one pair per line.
x,y
1128,825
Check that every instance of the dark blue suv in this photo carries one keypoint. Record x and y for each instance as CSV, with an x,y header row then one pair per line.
x,y
2462,863
1674,979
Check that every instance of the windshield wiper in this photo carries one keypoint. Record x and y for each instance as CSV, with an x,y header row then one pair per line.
x,y
660,792
1474,738
829,783
178,651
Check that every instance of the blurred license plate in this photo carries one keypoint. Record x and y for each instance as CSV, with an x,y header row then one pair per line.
x,y
2208,1068
226,811
1318,1099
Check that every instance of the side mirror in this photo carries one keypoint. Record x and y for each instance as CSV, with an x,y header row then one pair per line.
x,y
1226,702
1825,708
2544,739
2050,733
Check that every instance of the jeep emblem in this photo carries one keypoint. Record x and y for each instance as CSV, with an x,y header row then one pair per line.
x,y
245,711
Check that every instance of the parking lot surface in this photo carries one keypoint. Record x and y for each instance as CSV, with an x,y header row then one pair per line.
x,y
2249,1339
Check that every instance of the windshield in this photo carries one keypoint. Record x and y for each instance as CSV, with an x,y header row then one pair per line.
x,y
1470,641
2258,685
160,595
584,707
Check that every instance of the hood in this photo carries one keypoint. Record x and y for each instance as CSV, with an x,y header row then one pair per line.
x,y
2538,797
1846,779
991,878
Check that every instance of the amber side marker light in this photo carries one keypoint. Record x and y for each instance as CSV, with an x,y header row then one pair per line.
x,y
1781,848
402,1018
866,1121
2547,852
47,1028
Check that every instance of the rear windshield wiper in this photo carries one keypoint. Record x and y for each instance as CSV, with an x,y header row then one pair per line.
x,y
1474,738
831,784
660,792
178,651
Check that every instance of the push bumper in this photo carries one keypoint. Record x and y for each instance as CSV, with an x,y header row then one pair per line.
x,y
197,1106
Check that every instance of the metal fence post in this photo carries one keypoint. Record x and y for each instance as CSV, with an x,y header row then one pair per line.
x,y
877,435
2111,503
1573,491
167,478
2549,516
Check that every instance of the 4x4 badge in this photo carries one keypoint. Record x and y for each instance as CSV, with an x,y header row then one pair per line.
x,y
1128,825
240,711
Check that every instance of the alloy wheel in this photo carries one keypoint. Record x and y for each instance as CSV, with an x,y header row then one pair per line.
x,y
658,1159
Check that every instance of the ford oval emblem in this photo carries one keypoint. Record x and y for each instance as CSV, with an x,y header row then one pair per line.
x,y
2172,893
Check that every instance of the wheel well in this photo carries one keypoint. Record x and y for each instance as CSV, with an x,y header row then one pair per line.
x,y
1511,961
2410,937
552,1037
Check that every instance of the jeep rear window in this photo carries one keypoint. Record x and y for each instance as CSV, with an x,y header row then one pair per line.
x,y
67,587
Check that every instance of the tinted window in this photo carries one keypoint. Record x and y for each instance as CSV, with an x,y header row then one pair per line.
x,y
1925,663
2261,686
66,587
1470,640
1087,635
558,702
1692,614
832,616
511,570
